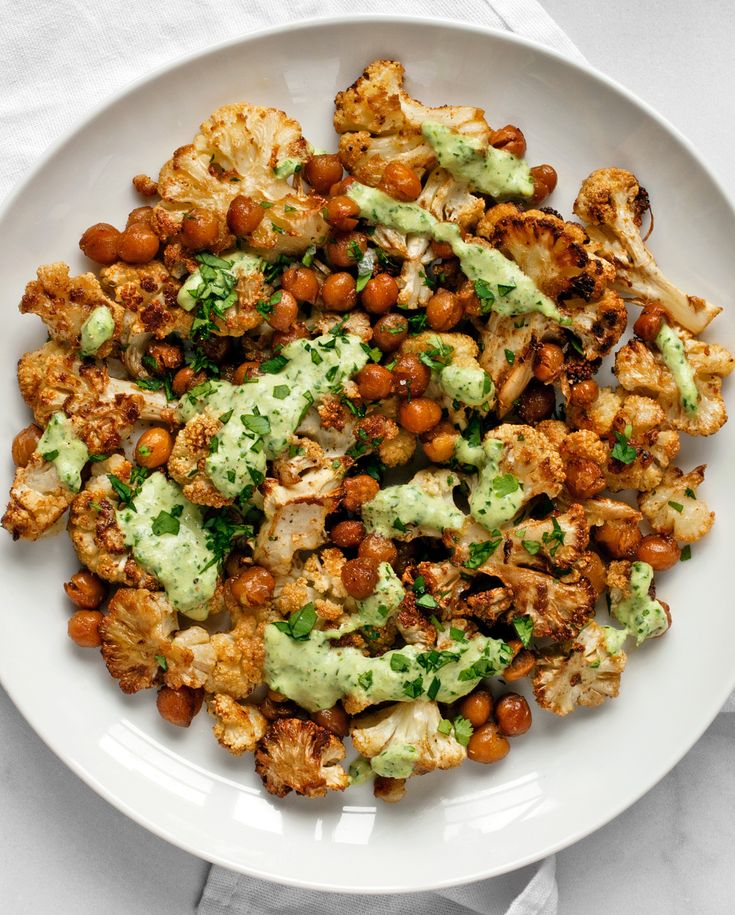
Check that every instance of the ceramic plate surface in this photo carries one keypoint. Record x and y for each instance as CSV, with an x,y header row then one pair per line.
x,y
567,776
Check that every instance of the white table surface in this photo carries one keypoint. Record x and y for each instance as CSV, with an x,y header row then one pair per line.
x,y
64,850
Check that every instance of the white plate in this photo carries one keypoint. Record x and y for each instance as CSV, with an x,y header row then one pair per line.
x,y
566,777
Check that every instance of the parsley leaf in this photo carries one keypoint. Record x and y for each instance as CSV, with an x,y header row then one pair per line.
x,y
399,663
686,553
510,356
365,681
273,366
299,624
166,523
677,506
481,552
261,425
505,484
463,730
485,295
622,450
524,627
413,688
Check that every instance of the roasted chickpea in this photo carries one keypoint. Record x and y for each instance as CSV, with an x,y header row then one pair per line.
x,y
323,171
284,310
340,188
400,181
377,548
179,706
154,448
512,714
660,551
521,666
477,707
346,249
339,292
536,403
199,229
140,214
419,415
185,379
138,244
348,533
360,576
439,443
85,589
380,294
302,283
375,382
443,311
217,348
334,719
389,332
358,490
342,214
410,376
548,362
145,185
253,587
25,442
166,356
244,215
487,744
584,393
441,250
584,478
619,539
84,628
244,371
649,321
100,243
511,139
544,181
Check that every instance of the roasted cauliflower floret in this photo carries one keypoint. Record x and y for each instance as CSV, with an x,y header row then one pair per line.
x,y
584,672
403,740
37,500
238,727
187,462
429,489
674,507
300,756
613,204
318,582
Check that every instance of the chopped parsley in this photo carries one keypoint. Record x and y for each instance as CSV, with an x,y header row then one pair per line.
x,y
300,623
677,506
399,663
524,627
686,553
463,730
554,537
510,356
161,661
413,688
261,425
531,546
274,366
505,484
167,522
365,681
481,552
485,295
214,295
623,451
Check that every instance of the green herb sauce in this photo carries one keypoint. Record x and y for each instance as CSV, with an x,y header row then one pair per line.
x,y
469,385
642,616
243,264
674,355
287,168
495,498
96,330
396,507
395,761
60,445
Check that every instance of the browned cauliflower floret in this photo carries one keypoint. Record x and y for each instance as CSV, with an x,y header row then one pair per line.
x,y
673,507
379,122
300,756
318,582
64,303
187,462
584,673
243,149
238,727
642,371
135,634
560,540
613,204
37,500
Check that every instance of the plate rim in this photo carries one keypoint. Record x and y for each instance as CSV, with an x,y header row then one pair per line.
x,y
304,24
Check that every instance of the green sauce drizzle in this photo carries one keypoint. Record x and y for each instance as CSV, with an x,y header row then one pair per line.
x,y
96,330
60,445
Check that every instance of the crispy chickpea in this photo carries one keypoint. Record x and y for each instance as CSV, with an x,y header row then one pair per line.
x,y
185,379
584,393
348,533
380,294
323,171
244,371
244,215
441,250
342,213
199,229
346,249
411,377
138,244
339,292
100,243
536,403
389,332
419,415
216,348
439,443
511,139
85,589
512,714
487,744
334,719
443,311
302,283
548,362
253,587
660,551
619,540
375,382
341,186
179,706
377,548
25,442
584,478
166,356
84,628
400,181
360,576
284,311
140,214
649,321
544,181
359,490
154,448
521,666
477,707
